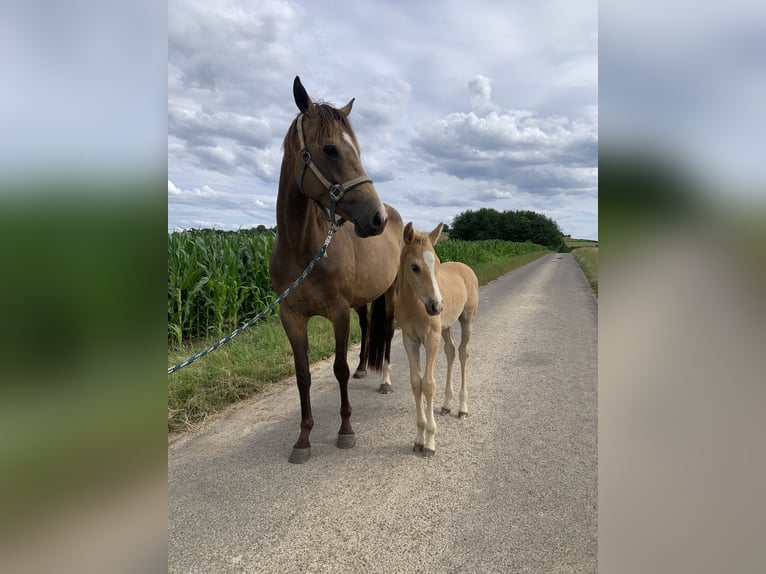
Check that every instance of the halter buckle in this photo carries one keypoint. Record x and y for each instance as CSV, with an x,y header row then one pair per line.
x,y
336,192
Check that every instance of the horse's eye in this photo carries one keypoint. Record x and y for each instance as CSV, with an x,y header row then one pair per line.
x,y
415,268
330,150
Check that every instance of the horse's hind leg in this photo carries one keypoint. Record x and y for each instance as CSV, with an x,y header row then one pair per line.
x,y
449,351
390,298
297,332
361,370
341,325
466,325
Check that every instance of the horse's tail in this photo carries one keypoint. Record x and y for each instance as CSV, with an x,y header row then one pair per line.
x,y
379,334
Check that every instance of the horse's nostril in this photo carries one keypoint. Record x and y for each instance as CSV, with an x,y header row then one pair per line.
x,y
378,221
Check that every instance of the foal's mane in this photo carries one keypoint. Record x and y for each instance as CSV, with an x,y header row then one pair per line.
x,y
330,121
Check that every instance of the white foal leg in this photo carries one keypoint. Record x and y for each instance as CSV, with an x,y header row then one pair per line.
x,y
429,390
412,347
464,351
449,351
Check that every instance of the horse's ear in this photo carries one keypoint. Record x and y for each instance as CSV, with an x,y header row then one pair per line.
x,y
434,235
302,99
345,110
409,234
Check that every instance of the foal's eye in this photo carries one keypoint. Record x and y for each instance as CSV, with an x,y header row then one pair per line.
x,y
415,268
330,150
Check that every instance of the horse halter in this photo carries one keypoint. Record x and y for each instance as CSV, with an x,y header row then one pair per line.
x,y
336,190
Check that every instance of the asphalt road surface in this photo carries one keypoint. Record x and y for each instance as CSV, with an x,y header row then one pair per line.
x,y
512,488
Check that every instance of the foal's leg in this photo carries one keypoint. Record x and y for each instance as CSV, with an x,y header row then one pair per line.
x,y
432,343
466,328
449,350
341,327
412,347
296,328
364,316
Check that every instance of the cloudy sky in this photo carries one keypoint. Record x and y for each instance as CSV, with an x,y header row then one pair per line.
x,y
459,105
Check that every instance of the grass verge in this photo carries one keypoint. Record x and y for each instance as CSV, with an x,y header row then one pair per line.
x,y
258,357
587,258
261,356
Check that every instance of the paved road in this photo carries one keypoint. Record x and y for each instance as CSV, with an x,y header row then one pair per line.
x,y
511,489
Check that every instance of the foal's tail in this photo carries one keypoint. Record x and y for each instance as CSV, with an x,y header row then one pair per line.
x,y
379,333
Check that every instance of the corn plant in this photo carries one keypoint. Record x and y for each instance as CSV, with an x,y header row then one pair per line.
x,y
474,252
216,281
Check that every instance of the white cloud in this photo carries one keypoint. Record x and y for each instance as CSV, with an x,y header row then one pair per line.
x,y
492,103
481,93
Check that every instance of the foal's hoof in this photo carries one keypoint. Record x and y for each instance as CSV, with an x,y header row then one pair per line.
x,y
360,374
462,415
300,455
427,452
446,411
384,389
346,441
417,448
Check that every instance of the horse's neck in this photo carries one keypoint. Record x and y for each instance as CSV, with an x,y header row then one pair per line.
x,y
297,223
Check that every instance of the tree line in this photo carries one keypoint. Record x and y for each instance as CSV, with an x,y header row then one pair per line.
x,y
487,223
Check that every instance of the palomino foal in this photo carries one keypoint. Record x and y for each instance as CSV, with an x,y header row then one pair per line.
x,y
431,297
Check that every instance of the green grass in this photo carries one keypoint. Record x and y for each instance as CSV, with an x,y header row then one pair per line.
x,y
587,257
572,243
261,355
258,357
491,270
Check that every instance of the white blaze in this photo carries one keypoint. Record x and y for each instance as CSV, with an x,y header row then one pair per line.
x,y
430,261
350,142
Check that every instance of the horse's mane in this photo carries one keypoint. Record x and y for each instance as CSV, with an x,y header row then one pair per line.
x,y
330,119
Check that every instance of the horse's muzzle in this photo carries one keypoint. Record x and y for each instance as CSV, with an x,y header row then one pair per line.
x,y
434,307
373,225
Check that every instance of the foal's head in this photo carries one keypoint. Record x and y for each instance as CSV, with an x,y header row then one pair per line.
x,y
334,151
420,267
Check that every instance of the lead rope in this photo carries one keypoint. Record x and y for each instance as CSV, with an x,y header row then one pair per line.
x,y
322,252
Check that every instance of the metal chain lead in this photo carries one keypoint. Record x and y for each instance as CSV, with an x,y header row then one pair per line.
x,y
322,252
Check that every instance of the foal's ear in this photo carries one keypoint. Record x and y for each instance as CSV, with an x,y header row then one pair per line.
x,y
302,99
345,110
434,235
409,234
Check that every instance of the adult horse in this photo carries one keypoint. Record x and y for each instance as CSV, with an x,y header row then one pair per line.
x,y
431,297
321,176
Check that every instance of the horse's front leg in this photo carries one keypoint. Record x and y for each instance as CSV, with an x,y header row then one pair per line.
x,y
364,319
432,342
412,347
341,326
296,327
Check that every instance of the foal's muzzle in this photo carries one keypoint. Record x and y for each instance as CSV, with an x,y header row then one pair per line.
x,y
434,307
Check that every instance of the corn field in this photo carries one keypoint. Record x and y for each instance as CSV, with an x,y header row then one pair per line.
x,y
217,280
473,253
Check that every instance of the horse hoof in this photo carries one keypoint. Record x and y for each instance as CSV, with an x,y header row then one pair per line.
x,y
462,415
417,448
446,411
427,452
346,441
300,455
384,389
360,374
